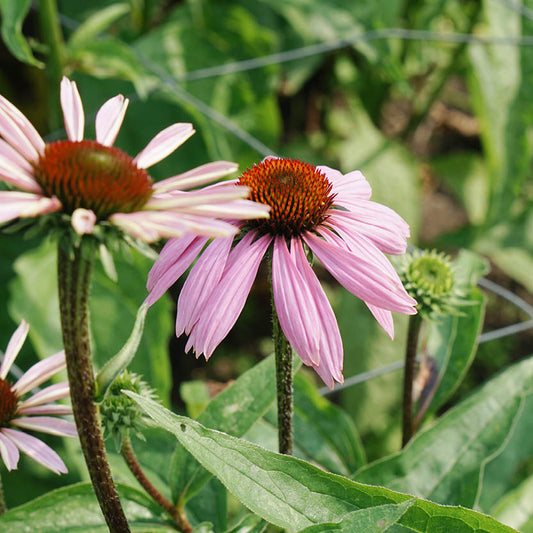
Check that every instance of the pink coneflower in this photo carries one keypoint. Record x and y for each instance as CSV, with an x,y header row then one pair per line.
x,y
95,182
17,414
313,209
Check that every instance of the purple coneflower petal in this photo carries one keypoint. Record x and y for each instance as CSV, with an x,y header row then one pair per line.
x,y
379,215
331,350
236,210
175,258
13,348
384,319
12,173
196,177
72,110
40,372
298,316
208,226
200,282
109,119
9,153
83,221
47,424
180,199
37,450
228,298
163,144
24,204
359,276
347,187
48,394
13,134
46,409
9,452
149,226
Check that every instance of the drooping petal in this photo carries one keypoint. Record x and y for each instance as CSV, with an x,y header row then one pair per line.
x,y
163,144
227,299
109,119
13,134
9,452
200,282
13,348
51,393
175,258
347,187
297,314
331,350
18,177
25,205
46,409
36,449
235,210
197,176
40,372
384,319
83,221
47,424
72,110
14,157
208,226
359,276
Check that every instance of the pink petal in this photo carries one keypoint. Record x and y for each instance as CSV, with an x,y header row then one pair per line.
x,y
13,348
196,177
358,275
11,131
208,226
200,282
348,187
294,303
46,409
25,205
229,296
25,126
47,424
13,174
331,350
9,452
40,372
9,153
149,226
384,319
37,450
51,393
235,210
163,144
83,221
72,110
109,119
170,266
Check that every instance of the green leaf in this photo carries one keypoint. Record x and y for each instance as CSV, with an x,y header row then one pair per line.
x,y
516,509
234,411
195,395
372,520
249,524
97,23
74,508
13,14
293,494
446,462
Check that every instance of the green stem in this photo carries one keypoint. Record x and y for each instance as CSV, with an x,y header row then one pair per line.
x,y
131,460
3,507
53,37
283,354
415,322
74,279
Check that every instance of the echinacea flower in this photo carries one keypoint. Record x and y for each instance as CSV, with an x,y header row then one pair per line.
x,y
313,209
37,412
94,182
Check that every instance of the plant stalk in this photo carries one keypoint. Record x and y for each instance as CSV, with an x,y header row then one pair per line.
x,y
3,507
133,464
74,279
415,322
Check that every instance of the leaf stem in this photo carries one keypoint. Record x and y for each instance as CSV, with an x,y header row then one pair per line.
x,y
177,514
74,279
415,322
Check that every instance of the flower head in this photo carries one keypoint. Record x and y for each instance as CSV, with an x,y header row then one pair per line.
x,y
33,413
313,209
96,184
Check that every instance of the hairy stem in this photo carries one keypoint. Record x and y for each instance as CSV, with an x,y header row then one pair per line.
x,y
415,322
74,279
131,460
3,507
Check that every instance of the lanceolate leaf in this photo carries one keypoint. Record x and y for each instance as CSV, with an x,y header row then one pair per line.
x,y
446,462
293,494
516,509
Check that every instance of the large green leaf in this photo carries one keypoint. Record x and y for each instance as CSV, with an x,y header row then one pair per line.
x,y
293,494
74,509
113,310
13,14
446,462
516,509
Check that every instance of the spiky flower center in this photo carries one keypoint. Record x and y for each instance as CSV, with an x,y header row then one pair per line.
x,y
93,176
8,402
298,194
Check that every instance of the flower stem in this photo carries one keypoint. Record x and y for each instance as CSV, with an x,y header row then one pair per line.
x,y
131,460
3,507
283,354
74,279
53,37
415,322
